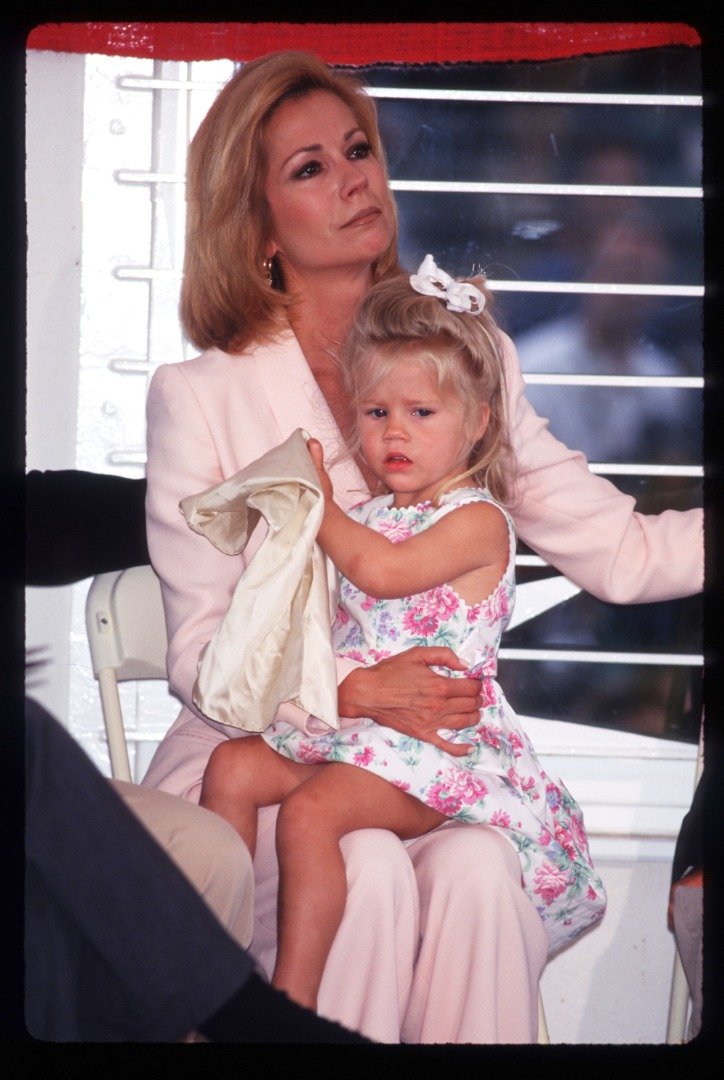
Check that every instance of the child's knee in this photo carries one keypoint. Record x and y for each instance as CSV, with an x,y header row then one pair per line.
x,y
227,767
303,813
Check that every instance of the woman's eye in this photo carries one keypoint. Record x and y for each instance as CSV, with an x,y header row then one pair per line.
x,y
310,168
360,150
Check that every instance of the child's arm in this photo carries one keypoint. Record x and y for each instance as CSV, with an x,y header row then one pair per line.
x,y
472,537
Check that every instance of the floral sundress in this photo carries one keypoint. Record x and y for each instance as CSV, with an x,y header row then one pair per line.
x,y
500,782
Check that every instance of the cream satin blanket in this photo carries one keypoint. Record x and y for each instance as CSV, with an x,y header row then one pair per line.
x,y
274,643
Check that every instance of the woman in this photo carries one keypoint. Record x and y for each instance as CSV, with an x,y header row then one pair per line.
x,y
290,220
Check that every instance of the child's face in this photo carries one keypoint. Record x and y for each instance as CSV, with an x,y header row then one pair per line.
x,y
414,438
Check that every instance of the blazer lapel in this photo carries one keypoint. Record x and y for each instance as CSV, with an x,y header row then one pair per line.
x,y
296,401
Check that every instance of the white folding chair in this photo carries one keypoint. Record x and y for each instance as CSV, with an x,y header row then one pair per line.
x,y
127,637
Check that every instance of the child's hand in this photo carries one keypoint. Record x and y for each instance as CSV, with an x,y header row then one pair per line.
x,y
317,454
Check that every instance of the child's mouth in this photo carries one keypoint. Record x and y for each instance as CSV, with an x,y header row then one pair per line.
x,y
397,461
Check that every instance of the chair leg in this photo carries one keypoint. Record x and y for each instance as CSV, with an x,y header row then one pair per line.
x,y
113,718
542,1025
678,1003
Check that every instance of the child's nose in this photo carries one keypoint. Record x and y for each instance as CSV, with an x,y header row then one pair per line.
x,y
395,428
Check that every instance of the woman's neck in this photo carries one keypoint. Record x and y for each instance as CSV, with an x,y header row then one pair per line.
x,y
323,312
321,319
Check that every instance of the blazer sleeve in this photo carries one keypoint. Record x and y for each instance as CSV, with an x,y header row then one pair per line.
x,y
585,527
197,580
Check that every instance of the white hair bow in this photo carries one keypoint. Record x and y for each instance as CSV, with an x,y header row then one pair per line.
x,y
458,295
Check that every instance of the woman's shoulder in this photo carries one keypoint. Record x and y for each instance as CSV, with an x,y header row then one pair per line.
x,y
214,365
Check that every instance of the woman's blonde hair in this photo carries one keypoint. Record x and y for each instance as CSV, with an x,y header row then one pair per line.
x,y
226,299
464,352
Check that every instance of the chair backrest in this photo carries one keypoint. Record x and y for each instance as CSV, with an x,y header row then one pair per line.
x,y
126,631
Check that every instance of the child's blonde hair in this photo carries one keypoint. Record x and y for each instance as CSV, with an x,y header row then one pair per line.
x,y
464,353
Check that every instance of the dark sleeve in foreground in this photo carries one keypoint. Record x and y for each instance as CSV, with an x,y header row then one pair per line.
x,y
118,945
689,850
78,524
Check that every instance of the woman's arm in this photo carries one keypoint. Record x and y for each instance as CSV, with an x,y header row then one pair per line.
x,y
586,527
404,693
197,580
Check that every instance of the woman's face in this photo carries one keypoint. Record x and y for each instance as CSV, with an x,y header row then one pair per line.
x,y
331,208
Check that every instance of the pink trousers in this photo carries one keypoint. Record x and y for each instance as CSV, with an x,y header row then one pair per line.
x,y
438,944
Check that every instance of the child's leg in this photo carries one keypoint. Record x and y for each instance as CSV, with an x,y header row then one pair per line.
x,y
313,887
244,774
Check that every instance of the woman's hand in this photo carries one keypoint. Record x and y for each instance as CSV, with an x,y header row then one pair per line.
x,y
403,693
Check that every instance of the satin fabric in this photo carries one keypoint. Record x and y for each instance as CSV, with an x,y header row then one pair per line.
x,y
274,643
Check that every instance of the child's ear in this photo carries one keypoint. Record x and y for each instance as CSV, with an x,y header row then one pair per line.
x,y
484,417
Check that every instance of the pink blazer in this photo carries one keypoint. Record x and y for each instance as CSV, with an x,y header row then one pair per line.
x,y
210,416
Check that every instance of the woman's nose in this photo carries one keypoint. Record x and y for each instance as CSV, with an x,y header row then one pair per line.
x,y
354,178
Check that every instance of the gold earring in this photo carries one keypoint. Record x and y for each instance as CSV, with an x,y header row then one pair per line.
x,y
267,267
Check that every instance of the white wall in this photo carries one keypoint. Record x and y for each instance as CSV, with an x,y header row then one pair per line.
x,y
610,987
54,149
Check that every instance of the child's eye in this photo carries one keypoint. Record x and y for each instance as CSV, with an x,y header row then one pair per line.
x,y
377,414
422,412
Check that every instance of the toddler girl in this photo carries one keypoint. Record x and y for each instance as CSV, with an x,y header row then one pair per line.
x,y
430,561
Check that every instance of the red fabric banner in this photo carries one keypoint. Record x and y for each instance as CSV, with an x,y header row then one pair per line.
x,y
360,43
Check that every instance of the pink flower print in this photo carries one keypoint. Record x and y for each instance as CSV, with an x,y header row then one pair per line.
x,y
491,733
496,607
579,833
341,617
466,786
550,883
354,654
444,601
379,654
488,692
516,743
401,784
440,798
501,818
544,837
395,531
528,783
474,613
310,753
421,622
364,755
513,777
591,893
565,839
368,602
553,796
488,666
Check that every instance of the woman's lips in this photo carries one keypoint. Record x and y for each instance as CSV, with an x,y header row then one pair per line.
x,y
363,217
